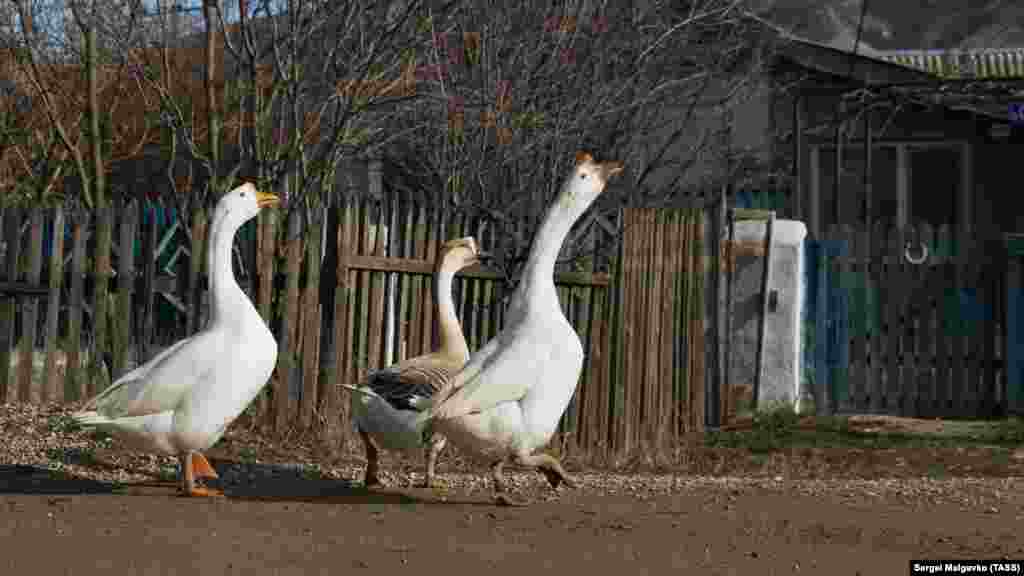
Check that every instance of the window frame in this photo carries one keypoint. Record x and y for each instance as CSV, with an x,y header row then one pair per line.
x,y
962,218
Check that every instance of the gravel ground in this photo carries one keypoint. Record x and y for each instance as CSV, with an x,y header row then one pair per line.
x,y
44,438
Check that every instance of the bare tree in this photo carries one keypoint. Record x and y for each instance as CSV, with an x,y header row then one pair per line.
x,y
515,89
291,89
79,136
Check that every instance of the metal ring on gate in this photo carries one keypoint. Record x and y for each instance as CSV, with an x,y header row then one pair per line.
x,y
912,260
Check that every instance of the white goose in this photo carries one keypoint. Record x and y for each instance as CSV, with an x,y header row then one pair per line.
x,y
506,402
180,402
383,413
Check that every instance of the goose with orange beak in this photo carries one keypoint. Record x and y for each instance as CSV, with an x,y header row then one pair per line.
x,y
505,403
181,401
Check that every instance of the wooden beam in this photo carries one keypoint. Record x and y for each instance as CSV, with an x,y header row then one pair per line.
x,y
22,289
799,154
868,145
426,268
837,177
740,214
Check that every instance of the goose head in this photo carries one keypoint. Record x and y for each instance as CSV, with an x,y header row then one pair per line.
x,y
458,253
242,204
585,183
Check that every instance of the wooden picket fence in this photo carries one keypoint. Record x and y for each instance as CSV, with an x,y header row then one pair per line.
x,y
349,292
889,335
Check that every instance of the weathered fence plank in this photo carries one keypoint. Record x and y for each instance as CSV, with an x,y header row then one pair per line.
x,y
311,333
286,357
74,383
125,280
56,276
893,391
879,340
947,339
146,323
100,309
197,263
339,369
959,374
267,257
9,306
860,375
30,310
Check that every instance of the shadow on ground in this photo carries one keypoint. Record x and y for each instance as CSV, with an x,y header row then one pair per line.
x,y
270,484
21,479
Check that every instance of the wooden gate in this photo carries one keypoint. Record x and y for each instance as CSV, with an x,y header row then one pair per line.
x,y
659,373
894,330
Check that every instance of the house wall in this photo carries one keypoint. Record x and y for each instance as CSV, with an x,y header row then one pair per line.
x,y
749,132
982,170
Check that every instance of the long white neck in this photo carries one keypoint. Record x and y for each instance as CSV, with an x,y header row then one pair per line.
x,y
538,282
453,342
227,298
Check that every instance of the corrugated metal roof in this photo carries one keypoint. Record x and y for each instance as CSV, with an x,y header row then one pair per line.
x,y
1000,63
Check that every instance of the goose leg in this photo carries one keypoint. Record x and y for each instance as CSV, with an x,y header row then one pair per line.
x,y
434,449
370,478
501,495
549,466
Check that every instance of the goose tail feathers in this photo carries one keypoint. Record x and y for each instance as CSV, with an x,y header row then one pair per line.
x,y
413,402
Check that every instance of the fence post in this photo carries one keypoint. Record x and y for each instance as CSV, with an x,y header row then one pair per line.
x,y
267,259
1013,351
101,274
312,319
286,357
125,280
197,257
73,381
144,339
717,314
30,309
56,273
8,307
821,330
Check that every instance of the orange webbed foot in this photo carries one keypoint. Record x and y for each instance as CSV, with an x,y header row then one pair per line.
x,y
203,492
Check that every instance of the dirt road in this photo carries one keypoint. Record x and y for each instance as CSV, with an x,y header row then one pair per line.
x,y
327,527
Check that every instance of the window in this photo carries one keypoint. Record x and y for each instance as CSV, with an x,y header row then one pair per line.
x,y
884,200
911,183
934,180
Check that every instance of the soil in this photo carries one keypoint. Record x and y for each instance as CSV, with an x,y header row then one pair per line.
x,y
76,504
329,527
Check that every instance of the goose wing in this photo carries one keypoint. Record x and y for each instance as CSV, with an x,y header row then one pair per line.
x,y
503,370
158,385
402,384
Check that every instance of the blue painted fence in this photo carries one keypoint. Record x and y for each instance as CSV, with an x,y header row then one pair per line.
x,y
912,340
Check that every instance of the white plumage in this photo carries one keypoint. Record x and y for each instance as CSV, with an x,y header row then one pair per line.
x,y
181,401
506,402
